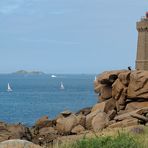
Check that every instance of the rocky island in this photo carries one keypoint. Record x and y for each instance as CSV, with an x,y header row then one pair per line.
x,y
25,72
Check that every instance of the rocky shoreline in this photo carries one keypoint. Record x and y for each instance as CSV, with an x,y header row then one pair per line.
x,y
123,101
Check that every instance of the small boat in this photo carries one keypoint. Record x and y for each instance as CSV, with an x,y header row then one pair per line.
x,y
9,89
61,86
53,76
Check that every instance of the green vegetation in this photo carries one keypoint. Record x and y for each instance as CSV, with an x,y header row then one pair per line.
x,y
119,140
122,140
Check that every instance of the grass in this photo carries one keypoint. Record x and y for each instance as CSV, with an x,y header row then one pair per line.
x,y
121,139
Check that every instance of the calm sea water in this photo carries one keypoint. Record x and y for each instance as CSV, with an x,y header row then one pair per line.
x,y
36,96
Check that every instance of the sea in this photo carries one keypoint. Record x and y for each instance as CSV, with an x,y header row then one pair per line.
x,y
34,96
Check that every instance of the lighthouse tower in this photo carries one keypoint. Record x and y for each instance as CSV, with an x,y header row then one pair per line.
x,y
142,47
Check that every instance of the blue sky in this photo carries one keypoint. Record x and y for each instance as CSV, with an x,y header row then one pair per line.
x,y
69,36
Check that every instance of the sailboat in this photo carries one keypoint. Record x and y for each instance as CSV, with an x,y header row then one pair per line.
x,y
53,76
61,86
9,89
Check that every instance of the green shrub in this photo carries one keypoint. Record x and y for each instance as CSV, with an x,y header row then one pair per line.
x,y
122,140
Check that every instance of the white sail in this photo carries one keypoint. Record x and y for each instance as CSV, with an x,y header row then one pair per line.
x,y
9,88
62,86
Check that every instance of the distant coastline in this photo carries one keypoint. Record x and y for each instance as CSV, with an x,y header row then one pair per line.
x,y
25,72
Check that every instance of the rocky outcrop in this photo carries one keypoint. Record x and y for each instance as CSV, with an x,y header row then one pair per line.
x,y
78,129
89,119
18,144
14,131
105,106
123,95
106,79
43,122
43,132
125,87
46,131
84,111
100,121
124,123
64,125
136,105
138,85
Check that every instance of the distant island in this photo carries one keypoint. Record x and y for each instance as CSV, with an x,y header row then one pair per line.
x,y
25,72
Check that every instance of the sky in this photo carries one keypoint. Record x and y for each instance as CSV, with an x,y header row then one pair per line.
x,y
69,36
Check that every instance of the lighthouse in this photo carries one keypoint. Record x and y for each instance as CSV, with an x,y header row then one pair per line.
x,y
142,45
